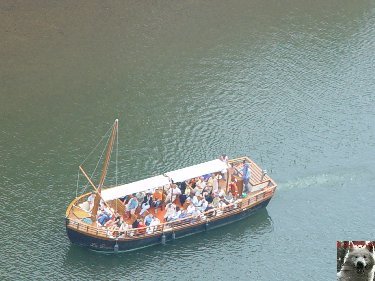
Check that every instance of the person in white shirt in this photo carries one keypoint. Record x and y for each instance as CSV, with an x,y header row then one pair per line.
x,y
215,184
170,210
195,200
190,209
203,205
91,199
153,225
173,192
176,214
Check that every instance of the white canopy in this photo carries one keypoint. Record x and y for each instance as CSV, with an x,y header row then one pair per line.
x,y
134,187
158,181
197,170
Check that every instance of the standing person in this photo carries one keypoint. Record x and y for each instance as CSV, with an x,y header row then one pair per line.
x,y
173,192
91,200
215,184
233,187
246,174
224,158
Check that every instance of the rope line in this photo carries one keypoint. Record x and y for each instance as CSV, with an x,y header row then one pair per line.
x,y
97,164
77,184
96,145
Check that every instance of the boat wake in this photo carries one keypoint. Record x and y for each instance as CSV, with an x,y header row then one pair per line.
x,y
326,179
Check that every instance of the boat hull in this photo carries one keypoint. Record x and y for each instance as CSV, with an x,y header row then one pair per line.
x,y
111,245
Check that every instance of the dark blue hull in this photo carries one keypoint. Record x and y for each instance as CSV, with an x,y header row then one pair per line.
x,y
111,245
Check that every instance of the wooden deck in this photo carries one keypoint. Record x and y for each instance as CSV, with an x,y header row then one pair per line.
x,y
257,179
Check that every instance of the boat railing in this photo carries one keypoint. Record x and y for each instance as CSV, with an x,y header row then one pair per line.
x,y
172,226
258,177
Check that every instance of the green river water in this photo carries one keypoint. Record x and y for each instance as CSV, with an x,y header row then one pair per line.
x,y
289,83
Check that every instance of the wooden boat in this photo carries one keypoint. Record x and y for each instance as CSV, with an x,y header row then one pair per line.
x,y
84,230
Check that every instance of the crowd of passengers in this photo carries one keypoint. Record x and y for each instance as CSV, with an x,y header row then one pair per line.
x,y
191,199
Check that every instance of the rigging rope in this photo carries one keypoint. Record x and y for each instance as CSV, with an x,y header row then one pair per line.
x,y
97,164
77,184
97,145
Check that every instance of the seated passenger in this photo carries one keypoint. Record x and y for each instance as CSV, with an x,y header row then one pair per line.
x,y
146,204
190,209
228,199
209,208
132,205
124,227
157,198
176,215
170,210
153,225
203,205
140,196
197,189
186,203
115,220
209,197
183,214
188,190
201,184
192,183
103,217
196,213
114,227
221,192
208,189
148,219
222,203
216,201
173,214
195,200
141,226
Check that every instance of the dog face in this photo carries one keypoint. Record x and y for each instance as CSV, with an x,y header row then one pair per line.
x,y
361,259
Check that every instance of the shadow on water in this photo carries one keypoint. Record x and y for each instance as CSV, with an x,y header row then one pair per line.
x,y
237,233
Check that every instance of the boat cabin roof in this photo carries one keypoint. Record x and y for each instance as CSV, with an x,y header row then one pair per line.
x,y
161,180
197,170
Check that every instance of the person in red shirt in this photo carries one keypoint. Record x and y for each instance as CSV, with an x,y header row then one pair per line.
x,y
233,188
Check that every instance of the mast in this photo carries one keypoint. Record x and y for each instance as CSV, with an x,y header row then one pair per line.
x,y
104,170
